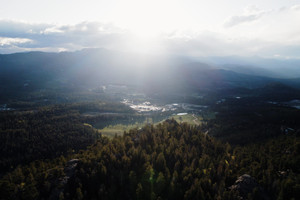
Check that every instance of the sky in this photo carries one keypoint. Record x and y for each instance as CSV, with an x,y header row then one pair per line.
x,y
266,28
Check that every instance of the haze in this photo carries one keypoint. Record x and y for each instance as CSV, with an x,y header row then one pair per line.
x,y
190,28
149,99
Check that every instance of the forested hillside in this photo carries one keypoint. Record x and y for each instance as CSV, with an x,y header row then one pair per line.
x,y
54,74
100,124
51,131
167,161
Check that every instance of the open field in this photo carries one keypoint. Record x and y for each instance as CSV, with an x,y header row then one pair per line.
x,y
188,118
119,129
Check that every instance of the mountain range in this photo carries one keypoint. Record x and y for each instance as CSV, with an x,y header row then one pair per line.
x,y
91,68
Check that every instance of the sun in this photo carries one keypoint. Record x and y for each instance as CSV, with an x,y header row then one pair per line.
x,y
148,19
149,23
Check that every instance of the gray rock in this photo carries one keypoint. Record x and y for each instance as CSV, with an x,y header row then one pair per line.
x,y
245,184
61,182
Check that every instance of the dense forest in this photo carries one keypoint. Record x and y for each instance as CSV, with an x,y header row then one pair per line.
x,y
243,144
249,120
51,131
167,161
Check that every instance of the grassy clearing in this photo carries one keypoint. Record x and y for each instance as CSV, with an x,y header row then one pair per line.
x,y
116,129
119,129
189,118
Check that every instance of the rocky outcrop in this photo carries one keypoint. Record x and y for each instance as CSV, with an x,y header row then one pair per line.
x,y
246,185
69,171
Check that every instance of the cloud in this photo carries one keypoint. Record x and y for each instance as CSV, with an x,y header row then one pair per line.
x,y
250,14
205,44
274,32
6,41
10,28
211,44
52,30
296,7
236,20
28,36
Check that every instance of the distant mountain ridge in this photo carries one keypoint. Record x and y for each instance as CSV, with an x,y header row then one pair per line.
x,y
270,67
89,68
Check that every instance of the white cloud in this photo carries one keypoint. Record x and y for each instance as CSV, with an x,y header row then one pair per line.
x,y
6,41
52,30
295,7
236,20
254,32
250,14
52,36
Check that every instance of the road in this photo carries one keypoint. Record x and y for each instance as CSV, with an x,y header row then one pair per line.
x,y
195,120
